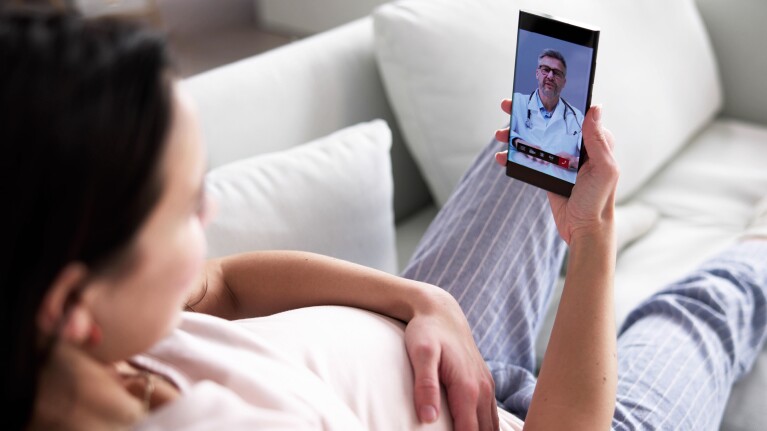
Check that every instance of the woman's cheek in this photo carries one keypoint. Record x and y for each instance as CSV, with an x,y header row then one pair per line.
x,y
193,249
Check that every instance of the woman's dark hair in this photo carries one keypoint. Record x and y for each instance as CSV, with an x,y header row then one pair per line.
x,y
85,107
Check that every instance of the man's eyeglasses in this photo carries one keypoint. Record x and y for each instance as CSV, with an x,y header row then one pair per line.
x,y
546,69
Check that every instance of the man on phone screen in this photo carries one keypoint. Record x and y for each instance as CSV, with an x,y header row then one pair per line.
x,y
544,125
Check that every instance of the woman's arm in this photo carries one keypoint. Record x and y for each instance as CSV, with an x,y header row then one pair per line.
x,y
578,379
267,282
577,382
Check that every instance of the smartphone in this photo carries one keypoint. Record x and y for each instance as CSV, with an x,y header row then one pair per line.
x,y
553,79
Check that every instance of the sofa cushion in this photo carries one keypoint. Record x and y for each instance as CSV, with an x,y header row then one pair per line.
x,y
745,408
446,65
706,199
331,196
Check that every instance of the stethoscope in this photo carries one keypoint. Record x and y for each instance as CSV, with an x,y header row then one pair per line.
x,y
529,122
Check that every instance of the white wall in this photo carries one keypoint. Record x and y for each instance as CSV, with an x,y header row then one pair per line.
x,y
196,15
304,17
179,16
104,7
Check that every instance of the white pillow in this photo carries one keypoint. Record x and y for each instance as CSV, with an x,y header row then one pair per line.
x,y
447,64
331,196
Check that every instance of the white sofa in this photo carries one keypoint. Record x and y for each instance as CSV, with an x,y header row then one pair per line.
x,y
682,87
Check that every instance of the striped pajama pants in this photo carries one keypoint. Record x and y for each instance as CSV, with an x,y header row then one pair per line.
x,y
495,248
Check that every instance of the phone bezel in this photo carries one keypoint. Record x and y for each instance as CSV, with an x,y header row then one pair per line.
x,y
572,32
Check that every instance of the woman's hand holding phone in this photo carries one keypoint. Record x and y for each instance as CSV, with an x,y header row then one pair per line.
x,y
578,377
590,207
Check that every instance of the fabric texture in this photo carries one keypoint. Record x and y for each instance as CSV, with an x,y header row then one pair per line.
x,y
494,247
328,368
714,324
258,382
446,65
345,178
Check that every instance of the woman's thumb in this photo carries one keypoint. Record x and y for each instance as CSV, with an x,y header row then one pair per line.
x,y
594,137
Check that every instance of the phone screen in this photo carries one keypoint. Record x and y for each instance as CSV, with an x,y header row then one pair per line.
x,y
553,77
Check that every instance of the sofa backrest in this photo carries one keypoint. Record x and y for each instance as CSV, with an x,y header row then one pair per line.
x,y
297,93
738,32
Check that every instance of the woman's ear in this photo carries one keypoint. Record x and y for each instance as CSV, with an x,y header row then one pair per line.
x,y
62,312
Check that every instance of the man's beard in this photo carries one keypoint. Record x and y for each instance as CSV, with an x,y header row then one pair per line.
x,y
553,92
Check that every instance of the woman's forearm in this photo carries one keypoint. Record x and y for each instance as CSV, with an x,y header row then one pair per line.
x,y
577,382
263,283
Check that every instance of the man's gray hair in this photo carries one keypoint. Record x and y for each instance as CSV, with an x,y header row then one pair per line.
x,y
553,53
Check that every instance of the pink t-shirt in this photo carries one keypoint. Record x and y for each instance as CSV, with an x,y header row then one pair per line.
x,y
329,368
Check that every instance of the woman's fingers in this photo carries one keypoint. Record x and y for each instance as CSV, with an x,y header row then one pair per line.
x,y
599,143
506,106
502,135
500,157
425,361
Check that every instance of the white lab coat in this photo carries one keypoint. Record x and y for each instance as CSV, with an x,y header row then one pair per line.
x,y
561,133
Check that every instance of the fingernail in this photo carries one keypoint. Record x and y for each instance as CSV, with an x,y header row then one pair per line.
x,y
428,414
598,113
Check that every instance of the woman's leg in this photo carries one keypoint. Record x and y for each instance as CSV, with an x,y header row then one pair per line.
x,y
680,352
495,248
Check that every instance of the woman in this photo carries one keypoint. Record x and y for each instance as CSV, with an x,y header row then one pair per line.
x,y
104,246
